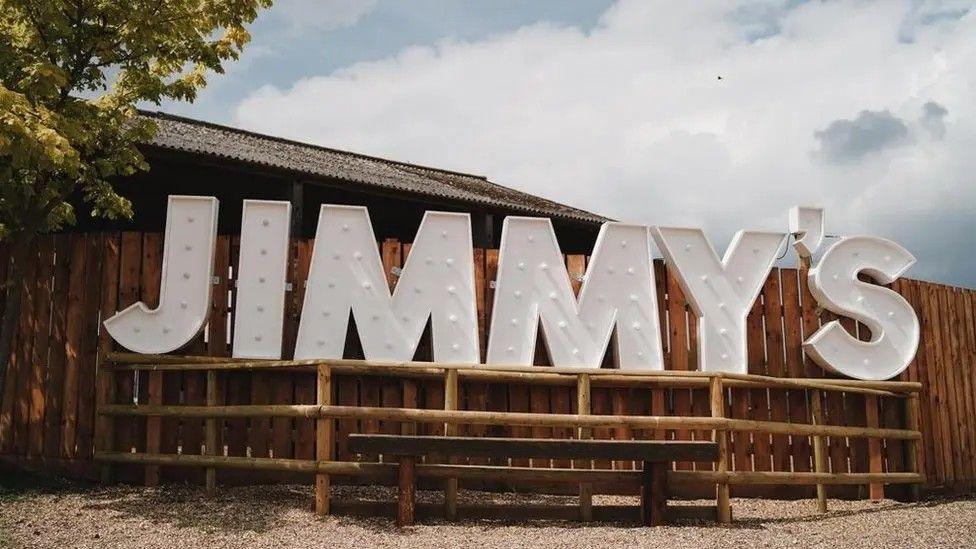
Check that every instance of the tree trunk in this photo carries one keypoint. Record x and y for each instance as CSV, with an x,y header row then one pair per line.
x,y
11,310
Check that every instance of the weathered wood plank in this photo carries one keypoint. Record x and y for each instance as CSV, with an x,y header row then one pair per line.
x,y
89,345
54,389
74,345
305,384
42,339
24,353
793,339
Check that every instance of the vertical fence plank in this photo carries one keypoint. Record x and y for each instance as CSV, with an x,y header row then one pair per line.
x,y
305,384
74,350
927,444
210,440
966,313
758,398
217,342
964,387
562,397
54,389
913,447
7,397
793,340
497,392
659,396
24,353
819,452
42,339
86,374
955,419
776,367
106,388
477,393
150,280
876,491
934,362
678,336
237,384
130,252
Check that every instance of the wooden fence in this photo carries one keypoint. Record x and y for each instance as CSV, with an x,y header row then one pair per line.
x,y
406,419
47,414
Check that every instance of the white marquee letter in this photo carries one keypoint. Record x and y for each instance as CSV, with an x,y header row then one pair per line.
x,y
533,285
260,306
892,321
437,282
184,292
720,291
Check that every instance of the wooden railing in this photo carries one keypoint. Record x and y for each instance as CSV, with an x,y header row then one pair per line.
x,y
325,412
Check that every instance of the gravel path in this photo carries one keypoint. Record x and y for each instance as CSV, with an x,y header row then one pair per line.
x,y
279,516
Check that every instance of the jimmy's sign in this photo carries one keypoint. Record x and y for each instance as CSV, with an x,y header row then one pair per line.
x,y
617,299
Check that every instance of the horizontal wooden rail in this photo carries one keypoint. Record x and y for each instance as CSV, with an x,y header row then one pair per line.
x,y
793,478
513,374
504,418
512,474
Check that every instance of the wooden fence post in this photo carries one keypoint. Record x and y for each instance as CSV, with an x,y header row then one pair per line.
x,y
721,437
819,453
105,425
450,429
324,447
211,434
912,446
875,459
583,409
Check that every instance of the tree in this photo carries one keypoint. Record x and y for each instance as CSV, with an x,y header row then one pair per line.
x,y
71,75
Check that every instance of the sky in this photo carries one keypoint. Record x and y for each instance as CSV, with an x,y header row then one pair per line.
x,y
720,115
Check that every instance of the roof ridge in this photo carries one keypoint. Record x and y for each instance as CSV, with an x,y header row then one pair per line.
x,y
196,122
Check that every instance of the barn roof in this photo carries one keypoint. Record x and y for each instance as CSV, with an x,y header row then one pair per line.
x,y
186,135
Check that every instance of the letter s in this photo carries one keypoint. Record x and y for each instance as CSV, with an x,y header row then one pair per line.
x,y
892,321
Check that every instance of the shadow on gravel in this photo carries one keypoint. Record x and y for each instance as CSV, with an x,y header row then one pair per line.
x,y
186,506
762,523
16,482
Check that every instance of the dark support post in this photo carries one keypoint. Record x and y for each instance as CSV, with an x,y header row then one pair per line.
x,y
211,433
483,230
490,230
654,492
297,199
407,489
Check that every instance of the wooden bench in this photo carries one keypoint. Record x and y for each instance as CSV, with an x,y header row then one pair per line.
x,y
656,456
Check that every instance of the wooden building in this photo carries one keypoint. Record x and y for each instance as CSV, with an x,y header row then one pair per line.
x,y
188,156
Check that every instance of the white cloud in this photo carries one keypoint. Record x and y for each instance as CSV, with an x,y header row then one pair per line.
x,y
322,14
630,120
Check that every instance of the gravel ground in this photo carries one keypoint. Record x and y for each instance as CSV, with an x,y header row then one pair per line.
x,y
64,515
